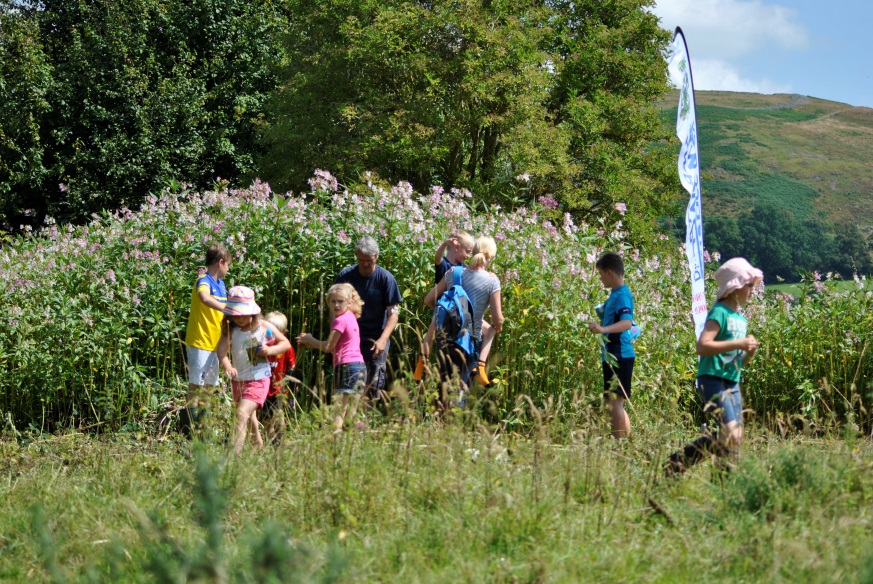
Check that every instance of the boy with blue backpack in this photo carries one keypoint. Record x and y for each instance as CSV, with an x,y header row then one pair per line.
x,y
461,299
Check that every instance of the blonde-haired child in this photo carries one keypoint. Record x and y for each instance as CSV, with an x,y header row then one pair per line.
x,y
281,394
244,335
483,288
344,341
453,252
724,347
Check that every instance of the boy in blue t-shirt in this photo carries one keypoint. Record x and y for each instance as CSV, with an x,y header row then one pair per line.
x,y
618,352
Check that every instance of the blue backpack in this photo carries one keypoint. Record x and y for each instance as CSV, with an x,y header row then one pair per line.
x,y
454,313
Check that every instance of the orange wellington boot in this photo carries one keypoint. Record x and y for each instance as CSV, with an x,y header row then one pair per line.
x,y
419,369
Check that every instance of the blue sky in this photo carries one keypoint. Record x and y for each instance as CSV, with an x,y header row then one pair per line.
x,y
811,47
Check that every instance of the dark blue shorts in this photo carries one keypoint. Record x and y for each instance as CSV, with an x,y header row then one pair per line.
x,y
350,378
622,372
721,397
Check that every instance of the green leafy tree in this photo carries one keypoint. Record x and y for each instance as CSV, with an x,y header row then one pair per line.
x,y
766,232
129,95
476,94
25,81
852,254
722,234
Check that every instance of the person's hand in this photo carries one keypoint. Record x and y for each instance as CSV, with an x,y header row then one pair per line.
x,y
231,372
378,347
750,344
306,340
263,350
595,327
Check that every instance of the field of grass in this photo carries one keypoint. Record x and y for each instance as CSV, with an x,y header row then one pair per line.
x,y
524,486
834,285
808,155
427,502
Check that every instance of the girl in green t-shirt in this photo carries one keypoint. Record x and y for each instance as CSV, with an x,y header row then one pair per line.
x,y
724,347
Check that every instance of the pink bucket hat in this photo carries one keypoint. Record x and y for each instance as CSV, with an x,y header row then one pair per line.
x,y
241,302
734,274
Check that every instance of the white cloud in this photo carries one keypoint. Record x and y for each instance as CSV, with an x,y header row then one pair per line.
x,y
715,75
728,29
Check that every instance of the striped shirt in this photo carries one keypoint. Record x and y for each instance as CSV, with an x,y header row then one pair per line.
x,y
479,286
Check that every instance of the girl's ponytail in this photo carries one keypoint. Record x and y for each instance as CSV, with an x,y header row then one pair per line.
x,y
483,252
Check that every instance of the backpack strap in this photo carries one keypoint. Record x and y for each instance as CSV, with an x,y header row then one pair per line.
x,y
458,276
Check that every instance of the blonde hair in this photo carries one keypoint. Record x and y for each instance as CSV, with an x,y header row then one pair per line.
x,y
483,252
463,238
348,292
278,320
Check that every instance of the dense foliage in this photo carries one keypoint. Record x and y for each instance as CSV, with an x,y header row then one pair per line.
x,y
104,102
478,94
109,101
92,317
784,247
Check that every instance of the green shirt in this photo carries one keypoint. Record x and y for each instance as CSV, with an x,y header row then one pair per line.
x,y
732,326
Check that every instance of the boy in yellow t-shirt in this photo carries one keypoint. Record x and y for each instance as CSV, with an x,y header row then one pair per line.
x,y
204,330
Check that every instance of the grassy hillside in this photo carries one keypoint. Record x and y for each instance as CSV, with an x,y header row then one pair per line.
x,y
810,156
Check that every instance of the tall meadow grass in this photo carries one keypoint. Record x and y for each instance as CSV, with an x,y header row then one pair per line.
x,y
92,318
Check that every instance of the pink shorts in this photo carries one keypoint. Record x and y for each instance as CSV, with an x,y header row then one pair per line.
x,y
255,391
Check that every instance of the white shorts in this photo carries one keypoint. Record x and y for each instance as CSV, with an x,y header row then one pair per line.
x,y
202,366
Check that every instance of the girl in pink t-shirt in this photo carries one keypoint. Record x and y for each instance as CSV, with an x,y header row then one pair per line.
x,y
344,341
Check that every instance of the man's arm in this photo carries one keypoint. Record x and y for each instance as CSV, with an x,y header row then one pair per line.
x,y
393,313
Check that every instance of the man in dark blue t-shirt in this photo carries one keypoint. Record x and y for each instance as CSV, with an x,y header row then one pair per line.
x,y
381,295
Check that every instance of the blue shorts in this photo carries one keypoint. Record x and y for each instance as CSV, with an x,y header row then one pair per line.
x,y
350,378
721,397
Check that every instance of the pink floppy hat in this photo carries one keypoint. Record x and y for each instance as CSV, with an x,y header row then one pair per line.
x,y
241,302
734,274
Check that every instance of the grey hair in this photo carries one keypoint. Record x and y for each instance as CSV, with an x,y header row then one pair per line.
x,y
367,246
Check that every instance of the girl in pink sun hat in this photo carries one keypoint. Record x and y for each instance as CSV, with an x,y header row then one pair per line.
x,y
724,346
244,335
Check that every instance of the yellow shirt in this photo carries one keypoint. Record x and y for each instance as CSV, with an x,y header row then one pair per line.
x,y
204,323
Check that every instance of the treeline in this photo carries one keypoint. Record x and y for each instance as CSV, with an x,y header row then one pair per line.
x,y
786,247
106,101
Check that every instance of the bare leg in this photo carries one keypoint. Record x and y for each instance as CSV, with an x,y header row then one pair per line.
x,y
244,411
340,417
189,418
426,347
255,428
351,405
427,343
276,425
194,392
488,335
618,417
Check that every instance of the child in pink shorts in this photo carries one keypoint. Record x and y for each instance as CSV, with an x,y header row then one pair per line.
x,y
244,335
